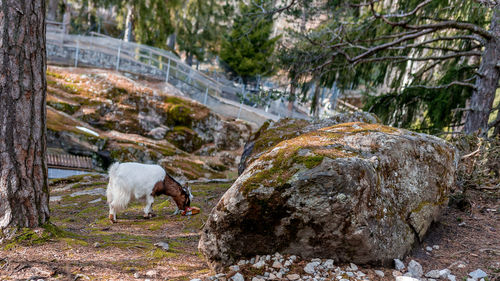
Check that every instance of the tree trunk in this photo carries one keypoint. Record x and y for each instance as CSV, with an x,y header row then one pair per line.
x,y
52,10
315,101
128,24
24,194
189,59
66,17
486,83
171,41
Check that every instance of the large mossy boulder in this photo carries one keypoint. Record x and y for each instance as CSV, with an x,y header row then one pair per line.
x,y
353,192
271,133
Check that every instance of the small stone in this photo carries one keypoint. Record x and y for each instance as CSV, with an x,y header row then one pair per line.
x,y
242,262
415,269
428,249
151,273
398,264
353,267
311,267
287,263
252,260
220,275
451,277
195,279
147,279
444,273
278,255
257,279
396,273
279,275
379,273
266,274
316,260
405,278
433,274
328,264
272,276
162,245
237,277
360,274
478,274
293,257
470,279
436,247
234,268
258,265
97,245
268,257
293,277
137,275
461,265
350,274
277,265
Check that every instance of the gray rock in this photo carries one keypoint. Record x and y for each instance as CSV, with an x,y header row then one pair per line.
x,y
272,276
151,273
293,277
353,267
451,277
220,275
358,162
478,274
328,264
406,278
162,245
237,277
436,247
259,264
257,279
433,274
379,273
234,268
415,269
428,249
399,265
277,265
311,267
196,279
138,275
444,273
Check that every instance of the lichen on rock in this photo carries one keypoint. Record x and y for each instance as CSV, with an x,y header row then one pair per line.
x,y
352,192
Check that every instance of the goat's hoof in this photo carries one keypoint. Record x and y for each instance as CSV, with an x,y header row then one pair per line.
x,y
150,215
112,219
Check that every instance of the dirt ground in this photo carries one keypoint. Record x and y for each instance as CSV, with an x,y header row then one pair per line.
x,y
84,245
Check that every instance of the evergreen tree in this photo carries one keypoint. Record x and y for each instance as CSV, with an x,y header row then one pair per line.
x,y
249,48
200,26
428,57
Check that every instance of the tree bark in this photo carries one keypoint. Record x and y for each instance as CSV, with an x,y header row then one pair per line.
x,y
171,41
24,195
483,95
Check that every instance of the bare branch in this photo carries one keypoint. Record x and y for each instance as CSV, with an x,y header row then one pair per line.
x,y
460,83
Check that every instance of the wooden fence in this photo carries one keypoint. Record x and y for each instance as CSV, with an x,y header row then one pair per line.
x,y
67,161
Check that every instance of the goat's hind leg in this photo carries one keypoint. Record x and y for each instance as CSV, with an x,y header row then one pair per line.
x,y
112,214
148,209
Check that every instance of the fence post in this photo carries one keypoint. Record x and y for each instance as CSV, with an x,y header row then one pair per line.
x,y
118,57
242,101
77,50
206,95
168,70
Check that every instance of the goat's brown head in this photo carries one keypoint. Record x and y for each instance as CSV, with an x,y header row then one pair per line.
x,y
169,186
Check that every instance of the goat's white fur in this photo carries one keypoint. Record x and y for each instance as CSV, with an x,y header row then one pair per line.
x,y
132,181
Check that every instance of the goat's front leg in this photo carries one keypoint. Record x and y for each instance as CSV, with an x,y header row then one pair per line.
x,y
147,210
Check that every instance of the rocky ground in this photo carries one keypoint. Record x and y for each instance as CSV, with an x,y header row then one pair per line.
x,y
194,144
83,245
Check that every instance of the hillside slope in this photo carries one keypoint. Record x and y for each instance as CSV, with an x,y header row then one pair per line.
x,y
111,117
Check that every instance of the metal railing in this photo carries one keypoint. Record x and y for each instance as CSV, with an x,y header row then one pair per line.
x,y
102,51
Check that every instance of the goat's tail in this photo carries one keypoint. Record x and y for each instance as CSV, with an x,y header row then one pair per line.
x,y
117,197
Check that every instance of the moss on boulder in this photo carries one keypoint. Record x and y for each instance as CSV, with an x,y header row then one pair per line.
x,y
353,192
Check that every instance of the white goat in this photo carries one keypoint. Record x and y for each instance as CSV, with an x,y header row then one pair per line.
x,y
135,180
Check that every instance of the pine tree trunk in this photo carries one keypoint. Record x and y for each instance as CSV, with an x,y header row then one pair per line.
x,y
24,195
171,41
486,83
128,24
